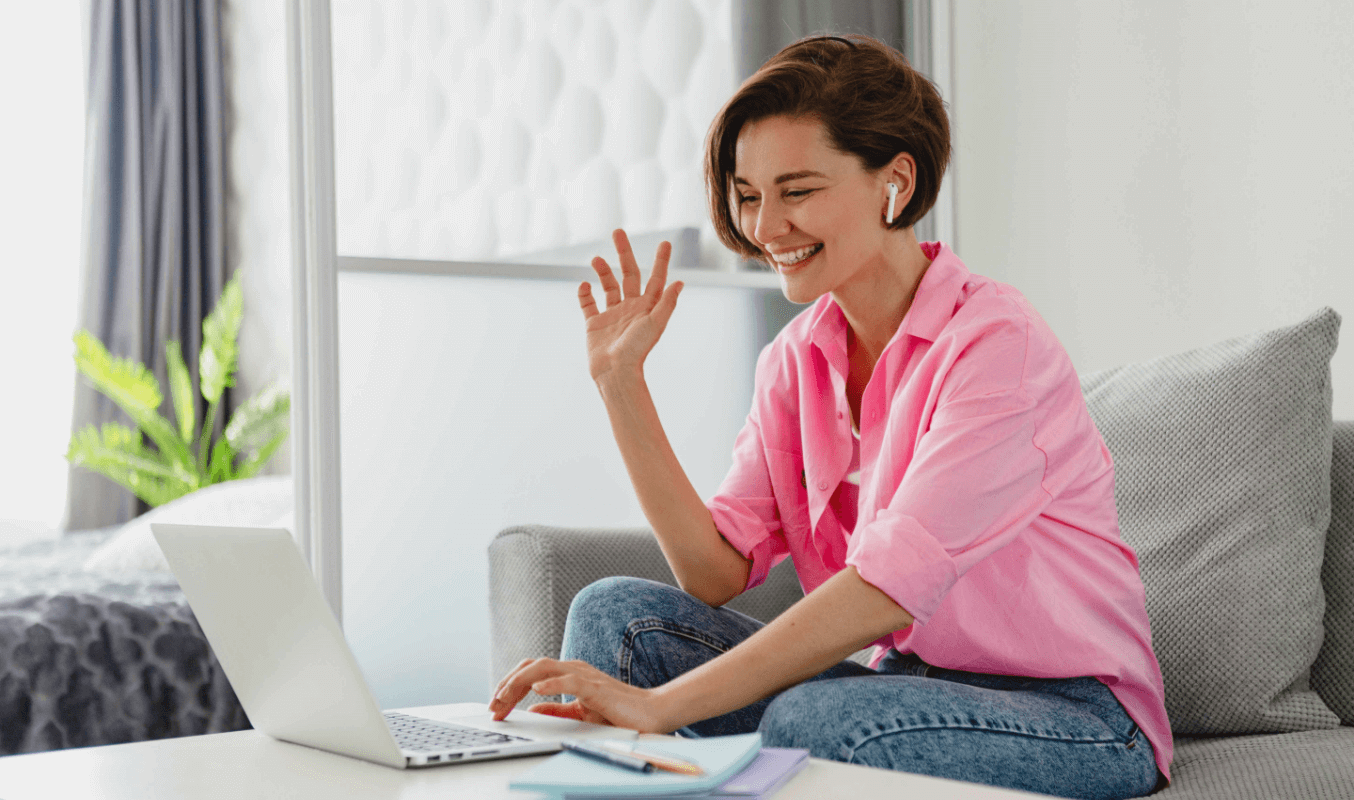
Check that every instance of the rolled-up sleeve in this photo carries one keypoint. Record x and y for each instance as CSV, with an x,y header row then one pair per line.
x,y
973,484
744,508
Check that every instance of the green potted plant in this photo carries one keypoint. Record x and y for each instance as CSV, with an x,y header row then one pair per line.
x,y
182,459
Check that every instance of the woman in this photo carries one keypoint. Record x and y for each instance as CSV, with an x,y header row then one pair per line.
x,y
918,443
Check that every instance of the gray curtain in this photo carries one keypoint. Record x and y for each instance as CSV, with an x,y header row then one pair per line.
x,y
154,237
762,27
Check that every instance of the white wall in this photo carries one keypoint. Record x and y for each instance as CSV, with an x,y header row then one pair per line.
x,y
467,408
1160,176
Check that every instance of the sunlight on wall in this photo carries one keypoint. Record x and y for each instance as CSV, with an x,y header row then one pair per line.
x,y
41,157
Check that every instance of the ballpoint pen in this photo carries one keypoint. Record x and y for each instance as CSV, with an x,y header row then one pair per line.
x,y
665,763
613,757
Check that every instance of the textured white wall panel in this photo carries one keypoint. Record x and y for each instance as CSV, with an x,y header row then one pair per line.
x,y
593,112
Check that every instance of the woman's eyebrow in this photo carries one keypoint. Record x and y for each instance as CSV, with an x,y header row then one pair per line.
x,y
789,176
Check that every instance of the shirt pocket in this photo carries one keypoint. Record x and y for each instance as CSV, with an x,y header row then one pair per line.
x,y
790,486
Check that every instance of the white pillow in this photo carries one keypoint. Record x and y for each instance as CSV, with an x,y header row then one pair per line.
x,y
264,502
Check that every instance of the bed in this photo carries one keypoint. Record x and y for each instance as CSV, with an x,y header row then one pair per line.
x,y
97,643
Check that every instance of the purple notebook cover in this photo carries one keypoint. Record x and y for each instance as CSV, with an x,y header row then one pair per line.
x,y
772,767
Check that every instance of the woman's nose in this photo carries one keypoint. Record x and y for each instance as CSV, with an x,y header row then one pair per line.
x,y
771,223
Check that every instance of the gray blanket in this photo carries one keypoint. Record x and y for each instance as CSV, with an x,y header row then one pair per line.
x,y
88,659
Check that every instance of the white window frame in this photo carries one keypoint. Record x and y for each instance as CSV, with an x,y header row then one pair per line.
x,y
315,400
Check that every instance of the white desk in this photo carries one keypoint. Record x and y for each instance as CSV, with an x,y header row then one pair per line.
x,y
247,764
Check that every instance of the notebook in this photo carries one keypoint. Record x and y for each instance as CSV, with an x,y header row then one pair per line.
x,y
574,776
769,771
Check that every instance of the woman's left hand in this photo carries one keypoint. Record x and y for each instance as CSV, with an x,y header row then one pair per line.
x,y
599,698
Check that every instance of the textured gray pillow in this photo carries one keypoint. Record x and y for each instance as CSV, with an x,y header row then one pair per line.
x,y
1222,478
1333,671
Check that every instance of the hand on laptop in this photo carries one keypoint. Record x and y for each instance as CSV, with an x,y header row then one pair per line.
x,y
600,698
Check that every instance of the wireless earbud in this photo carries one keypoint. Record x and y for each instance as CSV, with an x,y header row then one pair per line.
x,y
893,195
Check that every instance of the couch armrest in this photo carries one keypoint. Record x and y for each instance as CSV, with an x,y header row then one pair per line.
x,y
535,571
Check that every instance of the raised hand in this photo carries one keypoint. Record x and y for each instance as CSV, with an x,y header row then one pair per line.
x,y
620,337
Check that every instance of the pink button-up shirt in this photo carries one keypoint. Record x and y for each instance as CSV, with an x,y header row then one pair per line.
x,y
986,501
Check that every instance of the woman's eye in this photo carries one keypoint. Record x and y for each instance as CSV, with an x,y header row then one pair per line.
x,y
747,198
799,192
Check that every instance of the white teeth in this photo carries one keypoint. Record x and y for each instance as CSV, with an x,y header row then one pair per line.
x,y
796,256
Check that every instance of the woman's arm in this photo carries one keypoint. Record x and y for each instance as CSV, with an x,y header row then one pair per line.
x,y
618,340
706,565
838,618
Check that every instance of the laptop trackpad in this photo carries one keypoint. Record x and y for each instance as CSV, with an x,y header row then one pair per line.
x,y
543,726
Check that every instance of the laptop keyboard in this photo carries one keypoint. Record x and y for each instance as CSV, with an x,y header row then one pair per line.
x,y
424,735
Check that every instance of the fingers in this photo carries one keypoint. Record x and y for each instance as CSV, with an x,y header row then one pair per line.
x,y
515,686
609,284
567,710
629,267
559,684
585,300
520,666
524,679
630,274
574,710
659,276
667,302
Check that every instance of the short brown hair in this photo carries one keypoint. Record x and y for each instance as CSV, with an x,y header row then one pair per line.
x,y
870,101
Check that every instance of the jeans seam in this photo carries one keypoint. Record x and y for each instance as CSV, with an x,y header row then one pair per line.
x,y
639,626
918,728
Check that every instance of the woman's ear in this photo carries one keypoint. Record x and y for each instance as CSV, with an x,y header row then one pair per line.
x,y
902,170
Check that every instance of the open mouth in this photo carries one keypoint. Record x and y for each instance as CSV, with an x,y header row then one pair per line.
x,y
796,257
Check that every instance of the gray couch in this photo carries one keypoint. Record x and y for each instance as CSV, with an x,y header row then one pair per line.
x,y
1235,488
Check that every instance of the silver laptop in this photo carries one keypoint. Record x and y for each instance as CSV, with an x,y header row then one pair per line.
x,y
286,658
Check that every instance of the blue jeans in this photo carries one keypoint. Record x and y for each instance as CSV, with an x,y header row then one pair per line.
x,y
1068,737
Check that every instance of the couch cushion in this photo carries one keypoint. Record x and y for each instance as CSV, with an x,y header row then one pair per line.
x,y
1310,765
1222,478
1333,671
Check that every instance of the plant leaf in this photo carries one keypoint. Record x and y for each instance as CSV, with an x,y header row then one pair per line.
x,y
204,442
124,381
181,389
259,458
118,454
260,420
220,332
134,389
223,462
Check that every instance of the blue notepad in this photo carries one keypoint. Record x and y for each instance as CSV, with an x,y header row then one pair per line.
x,y
759,780
569,774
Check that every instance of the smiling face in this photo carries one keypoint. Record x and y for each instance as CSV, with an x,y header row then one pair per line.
x,y
814,211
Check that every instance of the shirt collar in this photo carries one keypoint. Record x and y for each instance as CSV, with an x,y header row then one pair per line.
x,y
932,308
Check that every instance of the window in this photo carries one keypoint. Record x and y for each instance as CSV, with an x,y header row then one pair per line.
x,y
41,157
